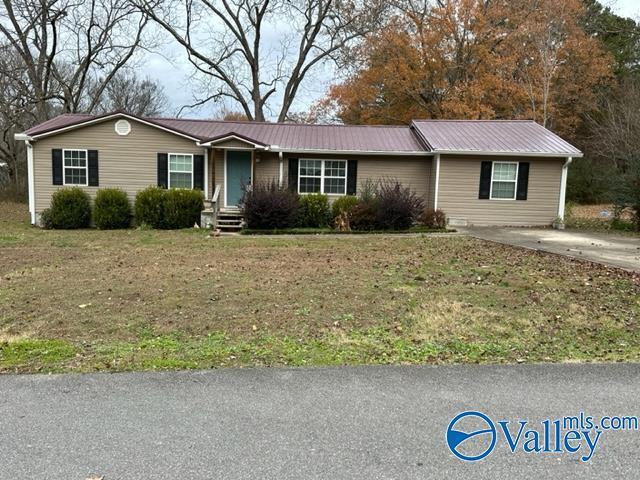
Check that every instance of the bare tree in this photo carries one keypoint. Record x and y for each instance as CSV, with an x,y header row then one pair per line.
x,y
60,56
68,46
615,130
15,111
225,42
140,97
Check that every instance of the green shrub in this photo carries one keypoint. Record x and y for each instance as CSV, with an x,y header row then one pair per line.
x,y
344,205
269,206
398,206
70,208
45,219
111,209
182,207
314,210
149,207
431,218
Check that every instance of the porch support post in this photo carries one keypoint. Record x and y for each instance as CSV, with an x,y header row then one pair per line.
x,y
206,174
435,193
563,188
281,171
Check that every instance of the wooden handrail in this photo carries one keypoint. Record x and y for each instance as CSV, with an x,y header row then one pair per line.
x,y
216,194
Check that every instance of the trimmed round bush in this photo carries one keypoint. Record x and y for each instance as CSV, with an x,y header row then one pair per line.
x,y
314,210
268,206
344,205
149,207
182,208
111,209
70,208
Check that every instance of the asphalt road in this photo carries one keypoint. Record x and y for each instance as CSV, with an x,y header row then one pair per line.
x,y
333,423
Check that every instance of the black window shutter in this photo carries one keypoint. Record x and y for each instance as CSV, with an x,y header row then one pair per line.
x,y
198,172
163,166
93,168
56,166
485,181
352,177
523,181
293,174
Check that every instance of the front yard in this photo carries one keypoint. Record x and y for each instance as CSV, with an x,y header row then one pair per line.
x,y
142,299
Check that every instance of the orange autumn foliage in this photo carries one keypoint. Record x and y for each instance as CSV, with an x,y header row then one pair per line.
x,y
473,59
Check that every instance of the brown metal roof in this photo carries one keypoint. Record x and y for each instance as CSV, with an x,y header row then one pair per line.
x,y
284,136
290,136
423,136
58,122
492,136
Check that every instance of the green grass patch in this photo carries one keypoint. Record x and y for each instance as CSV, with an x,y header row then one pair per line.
x,y
43,354
359,347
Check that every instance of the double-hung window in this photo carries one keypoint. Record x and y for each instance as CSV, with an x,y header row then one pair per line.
x,y
504,178
75,167
180,170
322,176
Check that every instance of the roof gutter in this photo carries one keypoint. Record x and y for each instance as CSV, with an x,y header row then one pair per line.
x,y
410,153
22,137
510,154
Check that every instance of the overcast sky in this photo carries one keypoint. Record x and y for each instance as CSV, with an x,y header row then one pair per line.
x,y
173,72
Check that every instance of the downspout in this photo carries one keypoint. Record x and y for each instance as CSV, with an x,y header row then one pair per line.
x,y
563,188
281,173
31,182
206,174
437,187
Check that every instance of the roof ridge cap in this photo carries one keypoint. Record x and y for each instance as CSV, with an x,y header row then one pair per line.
x,y
497,120
251,122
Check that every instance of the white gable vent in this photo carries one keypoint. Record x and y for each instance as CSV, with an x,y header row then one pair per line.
x,y
123,127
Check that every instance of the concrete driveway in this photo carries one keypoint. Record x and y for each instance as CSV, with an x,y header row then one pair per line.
x,y
317,423
613,250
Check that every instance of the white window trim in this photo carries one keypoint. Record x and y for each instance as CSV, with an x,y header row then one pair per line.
x,y
515,182
322,175
169,171
86,167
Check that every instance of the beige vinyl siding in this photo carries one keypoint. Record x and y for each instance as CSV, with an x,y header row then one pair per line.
x,y
127,162
411,171
234,143
267,168
431,189
460,181
218,176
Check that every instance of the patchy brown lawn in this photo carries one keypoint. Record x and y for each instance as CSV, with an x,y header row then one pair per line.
x,y
140,299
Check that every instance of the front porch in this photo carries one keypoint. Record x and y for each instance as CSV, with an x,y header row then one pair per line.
x,y
217,217
234,162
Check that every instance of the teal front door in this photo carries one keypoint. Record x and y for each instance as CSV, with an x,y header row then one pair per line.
x,y
238,175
